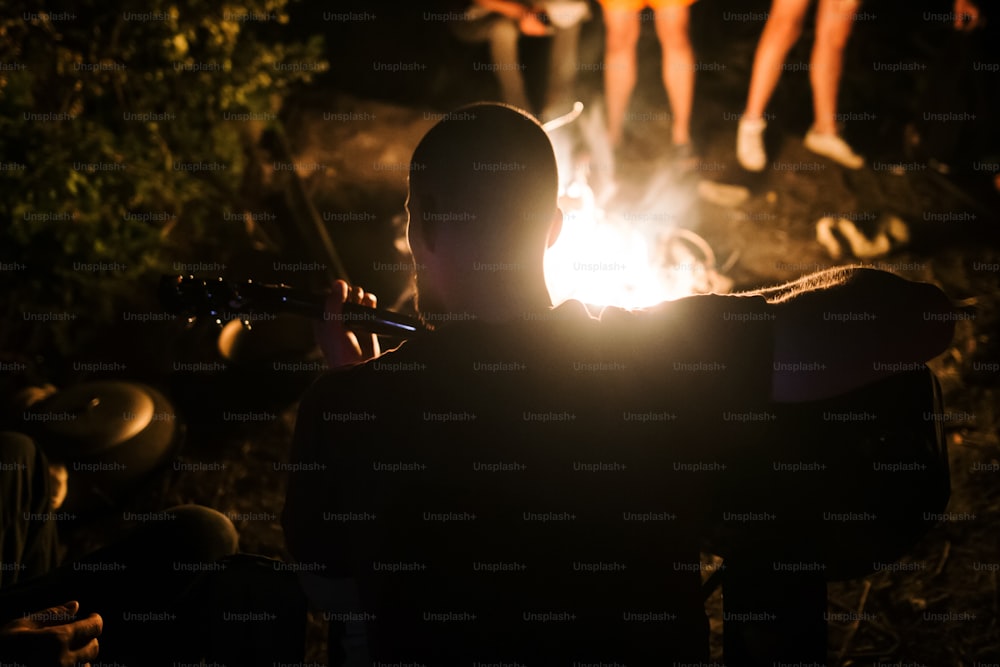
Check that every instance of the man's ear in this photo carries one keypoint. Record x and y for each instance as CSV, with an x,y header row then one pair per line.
x,y
555,227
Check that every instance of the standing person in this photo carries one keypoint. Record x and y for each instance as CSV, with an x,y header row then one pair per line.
x,y
960,83
621,21
512,486
834,21
502,23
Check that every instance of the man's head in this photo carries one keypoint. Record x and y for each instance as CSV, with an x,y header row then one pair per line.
x,y
482,203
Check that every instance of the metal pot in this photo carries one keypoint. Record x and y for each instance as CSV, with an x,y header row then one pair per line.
x,y
110,434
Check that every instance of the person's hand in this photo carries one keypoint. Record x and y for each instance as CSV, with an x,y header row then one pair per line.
x,y
341,347
52,637
966,15
532,26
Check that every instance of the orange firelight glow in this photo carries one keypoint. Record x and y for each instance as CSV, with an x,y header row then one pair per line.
x,y
603,259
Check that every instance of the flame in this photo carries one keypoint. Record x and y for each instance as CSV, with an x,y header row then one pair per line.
x,y
602,259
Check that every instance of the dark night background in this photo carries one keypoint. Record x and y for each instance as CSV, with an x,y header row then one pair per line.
x,y
769,238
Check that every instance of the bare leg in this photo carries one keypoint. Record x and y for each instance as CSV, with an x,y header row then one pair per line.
x,y
563,64
783,28
833,27
504,36
834,21
621,37
678,68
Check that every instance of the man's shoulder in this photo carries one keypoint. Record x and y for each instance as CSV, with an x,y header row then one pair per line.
x,y
707,303
707,315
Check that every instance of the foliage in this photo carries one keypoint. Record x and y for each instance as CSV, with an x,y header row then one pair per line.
x,y
122,135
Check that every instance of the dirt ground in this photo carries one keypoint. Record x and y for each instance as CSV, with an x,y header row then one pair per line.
x,y
358,125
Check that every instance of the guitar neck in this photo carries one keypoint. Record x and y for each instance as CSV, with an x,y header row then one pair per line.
x,y
257,297
222,300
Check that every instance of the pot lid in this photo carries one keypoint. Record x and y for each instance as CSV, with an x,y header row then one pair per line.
x,y
95,415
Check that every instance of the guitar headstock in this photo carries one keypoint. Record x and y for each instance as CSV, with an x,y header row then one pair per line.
x,y
220,301
197,298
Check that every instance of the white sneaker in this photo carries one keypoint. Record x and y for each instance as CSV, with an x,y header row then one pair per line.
x,y
750,144
835,148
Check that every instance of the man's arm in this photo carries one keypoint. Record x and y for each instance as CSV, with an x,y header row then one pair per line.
x,y
311,491
846,327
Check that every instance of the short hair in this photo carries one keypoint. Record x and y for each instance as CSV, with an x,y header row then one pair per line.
x,y
490,170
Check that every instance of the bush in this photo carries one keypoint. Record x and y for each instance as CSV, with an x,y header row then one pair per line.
x,y
124,136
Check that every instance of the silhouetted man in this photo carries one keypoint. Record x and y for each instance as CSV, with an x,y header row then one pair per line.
x,y
530,485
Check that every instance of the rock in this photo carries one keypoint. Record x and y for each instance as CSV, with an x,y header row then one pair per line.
x,y
722,194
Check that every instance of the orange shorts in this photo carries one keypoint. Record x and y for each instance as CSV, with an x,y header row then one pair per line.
x,y
638,5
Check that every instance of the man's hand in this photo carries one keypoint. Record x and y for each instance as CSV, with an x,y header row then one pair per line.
x,y
52,637
341,347
966,15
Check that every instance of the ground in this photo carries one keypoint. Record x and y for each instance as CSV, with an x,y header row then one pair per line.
x,y
353,133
